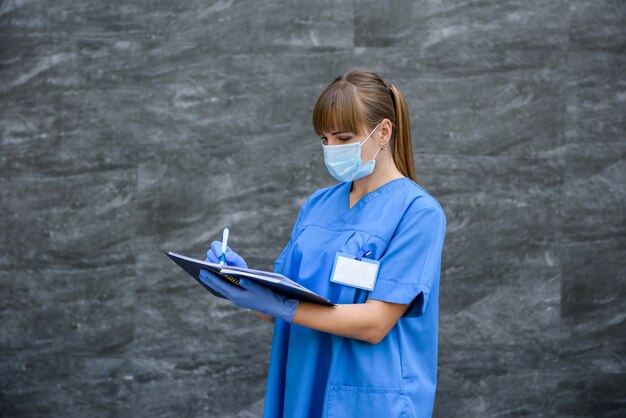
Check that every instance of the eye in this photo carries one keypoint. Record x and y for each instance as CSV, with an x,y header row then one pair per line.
x,y
345,138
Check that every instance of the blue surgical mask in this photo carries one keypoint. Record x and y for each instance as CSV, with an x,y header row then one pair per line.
x,y
344,161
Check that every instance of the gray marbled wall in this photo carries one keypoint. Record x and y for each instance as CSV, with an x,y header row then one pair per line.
x,y
132,128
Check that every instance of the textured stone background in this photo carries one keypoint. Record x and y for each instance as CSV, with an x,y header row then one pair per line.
x,y
129,128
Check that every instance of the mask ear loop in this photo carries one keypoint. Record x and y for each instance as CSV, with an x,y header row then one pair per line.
x,y
368,137
375,155
380,146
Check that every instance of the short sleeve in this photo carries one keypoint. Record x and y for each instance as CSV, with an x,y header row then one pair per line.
x,y
411,263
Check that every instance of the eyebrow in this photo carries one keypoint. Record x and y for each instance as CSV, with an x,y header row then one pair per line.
x,y
339,132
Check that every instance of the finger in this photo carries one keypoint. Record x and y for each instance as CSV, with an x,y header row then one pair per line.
x,y
211,257
252,285
216,248
222,286
214,253
232,258
211,280
205,276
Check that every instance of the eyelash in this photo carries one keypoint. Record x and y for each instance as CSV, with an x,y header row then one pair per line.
x,y
341,138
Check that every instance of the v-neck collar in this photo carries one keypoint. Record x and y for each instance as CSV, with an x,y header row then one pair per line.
x,y
346,212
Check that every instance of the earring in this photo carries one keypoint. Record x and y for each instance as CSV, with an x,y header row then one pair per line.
x,y
384,147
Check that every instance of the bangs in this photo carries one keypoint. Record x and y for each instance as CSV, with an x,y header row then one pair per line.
x,y
337,110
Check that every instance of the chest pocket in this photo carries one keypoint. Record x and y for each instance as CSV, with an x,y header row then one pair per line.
x,y
353,241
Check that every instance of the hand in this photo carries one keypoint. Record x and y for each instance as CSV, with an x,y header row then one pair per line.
x,y
252,295
232,258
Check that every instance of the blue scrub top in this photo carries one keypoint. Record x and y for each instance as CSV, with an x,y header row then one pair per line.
x,y
317,374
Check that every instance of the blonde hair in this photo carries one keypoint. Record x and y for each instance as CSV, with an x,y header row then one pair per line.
x,y
360,98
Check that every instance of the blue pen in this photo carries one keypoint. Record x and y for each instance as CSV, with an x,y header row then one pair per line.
x,y
225,234
363,252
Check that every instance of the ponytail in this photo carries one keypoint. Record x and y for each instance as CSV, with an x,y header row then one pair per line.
x,y
402,148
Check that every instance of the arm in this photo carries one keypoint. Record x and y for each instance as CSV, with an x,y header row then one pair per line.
x,y
369,321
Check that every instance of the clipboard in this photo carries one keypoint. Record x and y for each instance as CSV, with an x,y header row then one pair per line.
x,y
275,281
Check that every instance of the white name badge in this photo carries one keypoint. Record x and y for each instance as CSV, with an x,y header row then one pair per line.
x,y
356,273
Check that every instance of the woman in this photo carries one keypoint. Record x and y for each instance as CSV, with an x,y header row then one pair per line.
x,y
374,354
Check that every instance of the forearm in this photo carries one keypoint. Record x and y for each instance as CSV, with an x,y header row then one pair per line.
x,y
264,317
358,321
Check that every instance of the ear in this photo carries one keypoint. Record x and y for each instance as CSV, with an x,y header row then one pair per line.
x,y
386,130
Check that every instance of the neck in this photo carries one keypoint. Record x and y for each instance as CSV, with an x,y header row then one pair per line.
x,y
384,172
